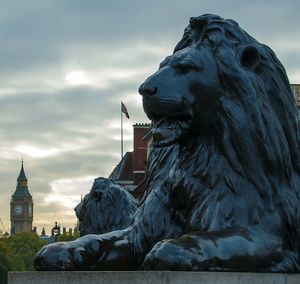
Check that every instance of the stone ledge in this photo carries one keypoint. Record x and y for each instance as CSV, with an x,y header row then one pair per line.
x,y
150,277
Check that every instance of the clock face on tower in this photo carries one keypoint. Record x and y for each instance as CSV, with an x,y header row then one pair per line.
x,y
18,209
30,210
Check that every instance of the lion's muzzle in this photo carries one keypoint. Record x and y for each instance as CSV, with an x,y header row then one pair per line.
x,y
147,90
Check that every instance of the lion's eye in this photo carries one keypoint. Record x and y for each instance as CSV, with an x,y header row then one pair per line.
x,y
183,68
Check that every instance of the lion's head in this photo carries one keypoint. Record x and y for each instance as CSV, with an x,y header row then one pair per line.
x,y
221,87
183,94
105,208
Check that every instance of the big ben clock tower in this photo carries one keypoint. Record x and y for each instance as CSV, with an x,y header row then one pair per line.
x,y
21,206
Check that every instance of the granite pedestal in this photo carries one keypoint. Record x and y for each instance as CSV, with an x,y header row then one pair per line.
x,y
150,277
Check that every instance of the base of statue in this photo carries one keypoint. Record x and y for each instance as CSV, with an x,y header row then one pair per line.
x,y
150,277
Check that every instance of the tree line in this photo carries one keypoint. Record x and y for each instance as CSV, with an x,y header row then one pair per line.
x,y
18,251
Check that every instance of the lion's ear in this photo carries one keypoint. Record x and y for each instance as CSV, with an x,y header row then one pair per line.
x,y
249,57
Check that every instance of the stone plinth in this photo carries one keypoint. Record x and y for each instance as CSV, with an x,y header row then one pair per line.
x,y
150,277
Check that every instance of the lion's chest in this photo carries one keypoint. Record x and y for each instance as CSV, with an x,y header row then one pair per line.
x,y
189,198
194,204
174,188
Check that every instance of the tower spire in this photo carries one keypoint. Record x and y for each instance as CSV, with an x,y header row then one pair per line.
x,y
22,175
22,185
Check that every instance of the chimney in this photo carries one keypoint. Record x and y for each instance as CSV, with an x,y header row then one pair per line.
x,y
140,147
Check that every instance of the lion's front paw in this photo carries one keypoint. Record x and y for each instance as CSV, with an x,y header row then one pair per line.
x,y
55,256
167,256
76,255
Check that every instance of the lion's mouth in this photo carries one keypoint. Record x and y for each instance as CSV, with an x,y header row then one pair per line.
x,y
167,131
171,120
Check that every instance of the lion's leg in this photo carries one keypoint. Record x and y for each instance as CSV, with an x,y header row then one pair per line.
x,y
91,252
230,250
124,249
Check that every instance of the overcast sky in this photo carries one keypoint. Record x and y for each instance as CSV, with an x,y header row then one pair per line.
x,y
65,66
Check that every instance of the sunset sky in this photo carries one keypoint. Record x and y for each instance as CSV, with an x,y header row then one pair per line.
x,y
66,65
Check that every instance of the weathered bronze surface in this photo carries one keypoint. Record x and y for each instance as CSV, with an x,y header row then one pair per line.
x,y
223,187
107,207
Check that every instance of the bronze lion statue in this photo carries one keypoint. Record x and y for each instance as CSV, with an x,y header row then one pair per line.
x,y
107,207
223,172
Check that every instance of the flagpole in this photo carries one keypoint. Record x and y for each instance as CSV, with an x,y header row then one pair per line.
x,y
121,132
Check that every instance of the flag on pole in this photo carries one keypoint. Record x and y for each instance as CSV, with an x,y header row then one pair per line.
x,y
124,110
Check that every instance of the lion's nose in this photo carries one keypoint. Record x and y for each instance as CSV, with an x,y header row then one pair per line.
x,y
147,90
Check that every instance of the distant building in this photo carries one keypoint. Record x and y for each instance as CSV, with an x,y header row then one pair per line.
x,y
131,171
21,206
56,231
296,90
43,235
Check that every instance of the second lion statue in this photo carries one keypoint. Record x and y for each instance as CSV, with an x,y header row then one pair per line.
x,y
107,207
223,170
